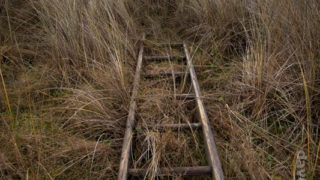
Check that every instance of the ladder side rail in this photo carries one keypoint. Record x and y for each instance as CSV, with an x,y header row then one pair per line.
x,y
211,149
127,141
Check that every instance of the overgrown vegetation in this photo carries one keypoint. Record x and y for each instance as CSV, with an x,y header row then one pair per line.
x,y
66,74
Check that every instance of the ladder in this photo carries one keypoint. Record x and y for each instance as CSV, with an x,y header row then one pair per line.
x,y
214,167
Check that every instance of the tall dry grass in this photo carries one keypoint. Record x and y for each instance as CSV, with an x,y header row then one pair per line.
x,y
273,49
69,96
66,69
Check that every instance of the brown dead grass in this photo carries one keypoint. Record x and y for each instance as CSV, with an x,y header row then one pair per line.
x,y
67,68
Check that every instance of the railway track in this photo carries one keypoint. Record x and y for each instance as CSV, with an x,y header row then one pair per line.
x,y
213,168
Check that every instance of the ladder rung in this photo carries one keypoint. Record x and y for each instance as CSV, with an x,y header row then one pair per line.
x,y
185,96
169,44
161,127
173,44
165,74
176,96
177,171
163,58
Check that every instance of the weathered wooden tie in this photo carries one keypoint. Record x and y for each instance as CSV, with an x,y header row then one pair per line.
x,y
214,167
